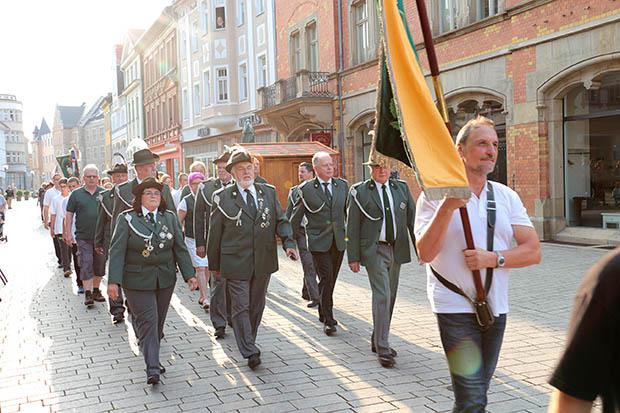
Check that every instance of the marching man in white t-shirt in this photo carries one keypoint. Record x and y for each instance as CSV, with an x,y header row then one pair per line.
x,y
57,216
472,351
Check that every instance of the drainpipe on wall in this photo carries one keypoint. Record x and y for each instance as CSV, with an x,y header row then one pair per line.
x,y
339,83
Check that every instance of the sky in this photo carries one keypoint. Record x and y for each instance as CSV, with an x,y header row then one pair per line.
x,y
62,51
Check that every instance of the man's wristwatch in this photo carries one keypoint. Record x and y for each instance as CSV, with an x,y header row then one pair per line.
x,y
501,261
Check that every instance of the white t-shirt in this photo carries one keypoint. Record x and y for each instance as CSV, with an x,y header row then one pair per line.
x,y
450,262
57,209
176,196
49,195
182,206
64,209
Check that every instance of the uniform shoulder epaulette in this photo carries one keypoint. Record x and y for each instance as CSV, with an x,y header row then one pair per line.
x,y
303,184
186,196
123,184
170,212
355,185
127,211
268,185
342,179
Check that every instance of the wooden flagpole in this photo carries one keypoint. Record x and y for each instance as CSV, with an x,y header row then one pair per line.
x,y
443,109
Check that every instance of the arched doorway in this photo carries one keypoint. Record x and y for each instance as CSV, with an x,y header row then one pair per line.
x,y
463,110
591,119
362,143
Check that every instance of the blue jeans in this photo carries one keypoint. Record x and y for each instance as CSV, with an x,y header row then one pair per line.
x,y
472,357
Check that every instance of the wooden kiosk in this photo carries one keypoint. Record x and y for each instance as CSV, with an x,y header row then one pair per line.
x,y
280,161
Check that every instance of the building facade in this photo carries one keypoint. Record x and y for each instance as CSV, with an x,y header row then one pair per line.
x,y
546,71
66,131
161,105
226,52
16,146
3,161
41,153
131,66
92,142
118,111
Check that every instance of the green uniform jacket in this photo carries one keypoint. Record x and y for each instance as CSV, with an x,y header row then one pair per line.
x,y
240,247
188,223
365,218
326,223
202,209
103,230
131,269
123,199
293,194
185,191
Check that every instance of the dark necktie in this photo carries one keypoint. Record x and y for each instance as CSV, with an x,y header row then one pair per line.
x,y
150,217
249,199
327,193
389,223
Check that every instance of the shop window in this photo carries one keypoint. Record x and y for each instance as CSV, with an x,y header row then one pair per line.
x,y
592,153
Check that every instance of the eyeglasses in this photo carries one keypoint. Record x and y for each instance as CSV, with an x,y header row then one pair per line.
x,y
151,193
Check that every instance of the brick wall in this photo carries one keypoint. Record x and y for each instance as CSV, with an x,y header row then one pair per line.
x,y
527,145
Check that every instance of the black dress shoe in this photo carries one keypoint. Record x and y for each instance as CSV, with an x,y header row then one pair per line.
x,y
162,369
313,304
220,332
329,329
254,361
118,318
393,352
386,360
153,379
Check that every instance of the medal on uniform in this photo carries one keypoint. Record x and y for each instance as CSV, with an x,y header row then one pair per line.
x,y
146,252
148,247
161,245
162,235
402,205
169,235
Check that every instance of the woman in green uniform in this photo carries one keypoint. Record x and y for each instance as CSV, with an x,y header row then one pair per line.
x,y
146,247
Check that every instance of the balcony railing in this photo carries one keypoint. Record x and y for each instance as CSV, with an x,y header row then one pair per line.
x,y
303,84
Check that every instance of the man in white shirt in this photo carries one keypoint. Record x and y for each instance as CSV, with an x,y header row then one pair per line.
x,y
473,351
50,194
57,216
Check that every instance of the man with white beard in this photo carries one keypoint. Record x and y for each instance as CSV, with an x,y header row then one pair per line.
x,y
241,247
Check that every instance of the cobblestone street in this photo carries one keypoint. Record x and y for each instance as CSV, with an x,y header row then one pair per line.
x,y
58,356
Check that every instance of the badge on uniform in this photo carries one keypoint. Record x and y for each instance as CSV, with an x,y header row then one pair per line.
x,y
146,252
403,205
